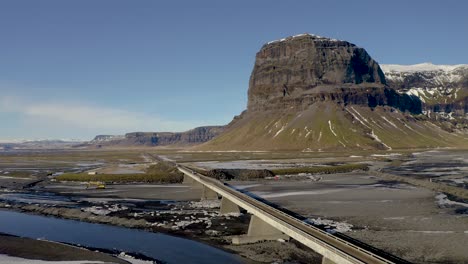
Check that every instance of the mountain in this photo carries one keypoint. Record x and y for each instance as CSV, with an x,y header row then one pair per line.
x,y
191,137
311,93
106,138
443,89
38,144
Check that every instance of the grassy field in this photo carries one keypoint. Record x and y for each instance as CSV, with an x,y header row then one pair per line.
x,y
322,169
161,172
249,174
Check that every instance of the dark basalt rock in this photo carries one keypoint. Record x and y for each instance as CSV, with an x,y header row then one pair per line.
x,y
298,71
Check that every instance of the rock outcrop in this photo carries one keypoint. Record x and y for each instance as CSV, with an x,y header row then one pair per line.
x,y
193,136
303,69
312,93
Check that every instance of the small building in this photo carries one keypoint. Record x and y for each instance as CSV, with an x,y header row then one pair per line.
x,y
92,173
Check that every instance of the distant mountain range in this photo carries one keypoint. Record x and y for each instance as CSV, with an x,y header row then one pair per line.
x,y
175,139
20,144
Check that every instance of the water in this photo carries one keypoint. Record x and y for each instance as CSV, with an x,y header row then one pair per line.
x,y
159,246
37,198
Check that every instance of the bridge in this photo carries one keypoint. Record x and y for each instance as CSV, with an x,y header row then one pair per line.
x,y
269,223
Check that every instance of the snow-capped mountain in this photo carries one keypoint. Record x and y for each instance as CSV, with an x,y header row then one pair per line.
x,y
25,144
106,138
443,89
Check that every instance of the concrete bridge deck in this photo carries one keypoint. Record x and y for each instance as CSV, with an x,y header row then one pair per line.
x,y
332,248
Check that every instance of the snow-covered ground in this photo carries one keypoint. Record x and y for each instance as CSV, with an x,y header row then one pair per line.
x,y
443,200
133,260
209,204
105,209
330,225
386,155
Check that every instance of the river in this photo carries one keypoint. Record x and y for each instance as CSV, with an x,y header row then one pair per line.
x,y
159,246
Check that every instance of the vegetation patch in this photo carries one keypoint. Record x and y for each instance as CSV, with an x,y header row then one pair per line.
x,y
17,174
162,172
322,169
238,174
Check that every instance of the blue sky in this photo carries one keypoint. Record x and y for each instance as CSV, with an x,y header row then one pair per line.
x,y
74,69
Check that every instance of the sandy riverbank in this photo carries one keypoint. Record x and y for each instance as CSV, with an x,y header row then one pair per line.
x,y
39,250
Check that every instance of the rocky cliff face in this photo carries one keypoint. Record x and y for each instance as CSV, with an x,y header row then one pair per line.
x,y
194,136
300,70
443,89
312,93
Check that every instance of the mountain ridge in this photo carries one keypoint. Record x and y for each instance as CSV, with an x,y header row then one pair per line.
x,y
442,89
151,139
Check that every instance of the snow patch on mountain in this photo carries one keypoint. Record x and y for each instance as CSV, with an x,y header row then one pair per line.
x,y
317,37
279,131
107,138
442,89
436,76
331,128
421,67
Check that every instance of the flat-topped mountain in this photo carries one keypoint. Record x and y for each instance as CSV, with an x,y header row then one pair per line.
x,y
299,70
190,137
303,65
313,93
194,136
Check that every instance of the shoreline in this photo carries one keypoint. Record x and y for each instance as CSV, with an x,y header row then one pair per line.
x,y
247,253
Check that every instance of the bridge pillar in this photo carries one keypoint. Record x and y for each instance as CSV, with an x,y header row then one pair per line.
x,y
258,227
188,180
259,230
327,261
228,207
209,194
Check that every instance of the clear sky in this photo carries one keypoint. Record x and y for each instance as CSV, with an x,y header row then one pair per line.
x,y
74,69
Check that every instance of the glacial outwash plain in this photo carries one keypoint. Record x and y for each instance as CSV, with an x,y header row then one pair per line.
x,y
376,155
